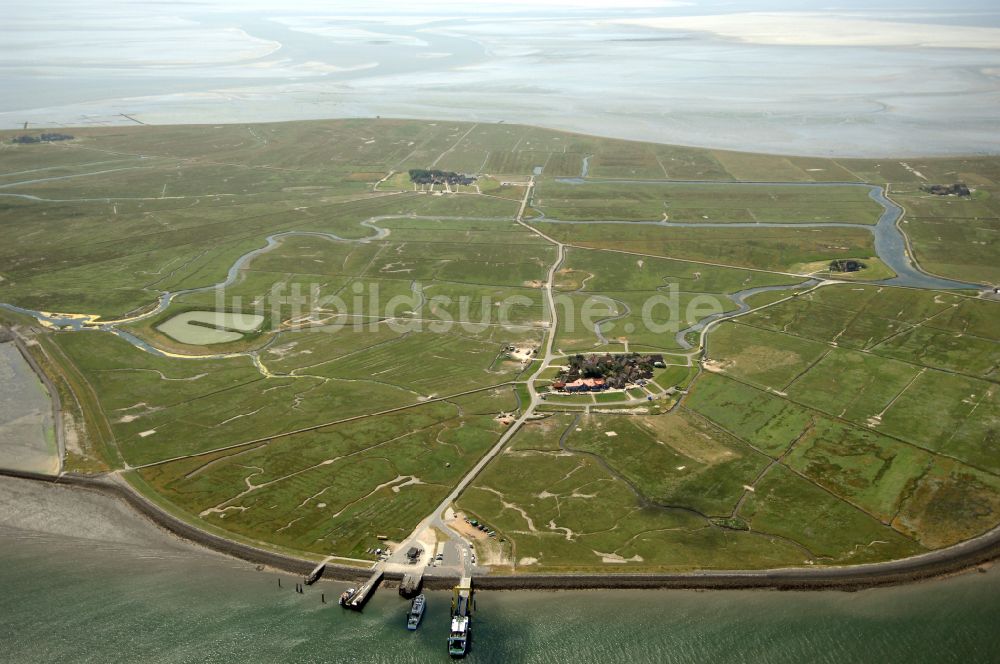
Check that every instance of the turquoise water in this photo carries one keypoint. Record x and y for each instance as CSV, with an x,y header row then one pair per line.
x,y
100,586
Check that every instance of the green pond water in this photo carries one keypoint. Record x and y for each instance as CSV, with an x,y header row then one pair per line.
x,y
180,327
84,580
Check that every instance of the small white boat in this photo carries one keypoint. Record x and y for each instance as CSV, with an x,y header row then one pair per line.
x,y
416,612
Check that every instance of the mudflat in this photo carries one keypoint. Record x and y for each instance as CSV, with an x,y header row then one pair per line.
x,y
27,437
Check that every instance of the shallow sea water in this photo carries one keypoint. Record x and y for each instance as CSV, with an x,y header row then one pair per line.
x,y
573,69
97,584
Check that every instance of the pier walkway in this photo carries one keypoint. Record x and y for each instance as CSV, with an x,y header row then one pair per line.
x,y
360,597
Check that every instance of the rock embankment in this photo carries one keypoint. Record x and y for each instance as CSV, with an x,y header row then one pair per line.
x,y
961,557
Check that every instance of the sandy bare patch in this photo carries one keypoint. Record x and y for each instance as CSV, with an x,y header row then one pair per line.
x,y
569,533
827,29
466,530
144,434
142,409
913,170
286,350
614,558
715,366
241,415
523,353
527,561
71,434
410,482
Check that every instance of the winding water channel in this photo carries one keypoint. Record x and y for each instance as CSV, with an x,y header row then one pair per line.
x,y
890,243
77,322
740,299
890,246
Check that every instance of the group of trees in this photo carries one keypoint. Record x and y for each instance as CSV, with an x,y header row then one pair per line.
x,y
846,265
617,370
957,189
42,138
434,176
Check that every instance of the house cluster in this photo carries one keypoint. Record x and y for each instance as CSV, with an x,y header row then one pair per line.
x,y
581,385
957,189
846,265
434,176
41,138
595,373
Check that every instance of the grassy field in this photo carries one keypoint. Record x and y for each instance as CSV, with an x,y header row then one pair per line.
x,y
642,300
335,489
954,236
820,380
682,202
855,422
762,248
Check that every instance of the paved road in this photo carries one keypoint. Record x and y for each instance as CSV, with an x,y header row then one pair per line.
x,y
458,552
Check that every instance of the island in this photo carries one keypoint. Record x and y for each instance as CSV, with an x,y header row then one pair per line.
x,y
538,375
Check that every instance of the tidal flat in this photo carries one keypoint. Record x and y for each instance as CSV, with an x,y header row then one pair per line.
x,y
914,83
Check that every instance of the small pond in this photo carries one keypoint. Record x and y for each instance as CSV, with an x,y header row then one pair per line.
x,y
204,328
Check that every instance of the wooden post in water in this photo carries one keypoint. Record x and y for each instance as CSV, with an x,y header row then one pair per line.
x,y
323,597
279,581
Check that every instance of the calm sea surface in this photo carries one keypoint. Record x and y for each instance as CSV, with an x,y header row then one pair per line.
x,y
82,579
574,67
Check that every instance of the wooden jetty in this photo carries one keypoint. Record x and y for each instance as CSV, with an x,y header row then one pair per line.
x,y
357,600
315,574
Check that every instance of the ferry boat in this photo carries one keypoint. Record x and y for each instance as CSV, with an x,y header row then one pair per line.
x,y
461,619
416,612
458,639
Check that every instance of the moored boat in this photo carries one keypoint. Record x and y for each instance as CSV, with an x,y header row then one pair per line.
x,y
416,612
461,619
